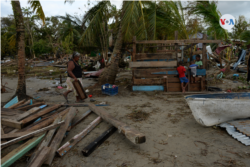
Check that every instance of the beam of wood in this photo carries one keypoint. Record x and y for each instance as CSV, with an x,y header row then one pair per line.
x,y
150,56
7,111
147,73
20,151
43,123
153,64
24,104
77,120
152,81
204,53
2,132
59,136
41,131
133,135
98,141
40,113
11,123
29,133
68,145
41,157
17,104
177,41
45,142
25,108
27,113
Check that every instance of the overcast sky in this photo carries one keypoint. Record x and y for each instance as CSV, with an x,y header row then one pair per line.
x,y
57,7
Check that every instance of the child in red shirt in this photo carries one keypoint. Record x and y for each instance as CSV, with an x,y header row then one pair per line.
x,y
181,70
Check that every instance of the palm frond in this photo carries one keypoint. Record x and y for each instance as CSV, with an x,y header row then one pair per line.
x,y
37,7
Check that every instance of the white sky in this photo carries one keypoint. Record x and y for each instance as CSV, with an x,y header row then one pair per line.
x,y
57,7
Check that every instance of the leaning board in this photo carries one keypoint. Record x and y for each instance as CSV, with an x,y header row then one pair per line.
x,y
153,64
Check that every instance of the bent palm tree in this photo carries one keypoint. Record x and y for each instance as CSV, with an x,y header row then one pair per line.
x,y
20,39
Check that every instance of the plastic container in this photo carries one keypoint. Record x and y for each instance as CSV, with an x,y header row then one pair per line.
x,y
108,90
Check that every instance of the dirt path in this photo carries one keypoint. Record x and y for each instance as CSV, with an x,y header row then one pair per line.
x,y
173,137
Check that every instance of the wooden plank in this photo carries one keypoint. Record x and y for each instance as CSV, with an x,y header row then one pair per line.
x,y
153,64
77,120
146,88
168,51
24,135
37,115
25,108
59,135
133,135
79,89
17,104
11,123
176,44
7,111
29,112
153,81
2,132
43,123
149,73
41,157
81,105
180,41
150,56
17,153
174,89
98,141
68,145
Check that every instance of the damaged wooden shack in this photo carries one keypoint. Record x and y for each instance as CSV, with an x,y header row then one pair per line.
x,y
42,128
156,71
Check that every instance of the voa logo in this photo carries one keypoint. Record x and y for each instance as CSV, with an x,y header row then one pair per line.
x,y
227,21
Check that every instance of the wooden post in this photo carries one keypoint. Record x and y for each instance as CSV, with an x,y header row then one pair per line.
x,y
133,56
176,44
133,135
189,77
98,141
204,52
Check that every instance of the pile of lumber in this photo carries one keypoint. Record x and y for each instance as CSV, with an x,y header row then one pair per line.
x,y
42,128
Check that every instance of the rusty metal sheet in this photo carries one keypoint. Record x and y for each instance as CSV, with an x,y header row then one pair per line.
x,y
242,125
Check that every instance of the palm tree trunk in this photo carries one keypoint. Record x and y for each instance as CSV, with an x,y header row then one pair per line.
x,y
110,71
21,86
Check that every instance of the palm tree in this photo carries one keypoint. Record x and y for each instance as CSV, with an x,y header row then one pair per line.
x,y
211,15
20,39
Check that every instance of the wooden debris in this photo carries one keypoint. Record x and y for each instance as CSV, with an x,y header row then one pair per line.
x,y
11,123
31,106
20,151
78,120
130,133
41,157
98,141
46,140
17,104
37,115
27,113
59,135
2,132
25,136
68,145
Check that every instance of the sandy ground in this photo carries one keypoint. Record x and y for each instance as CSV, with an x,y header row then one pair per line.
x,y
173,137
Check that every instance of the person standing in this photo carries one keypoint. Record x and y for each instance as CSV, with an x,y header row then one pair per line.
x,y
74,73
181,71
